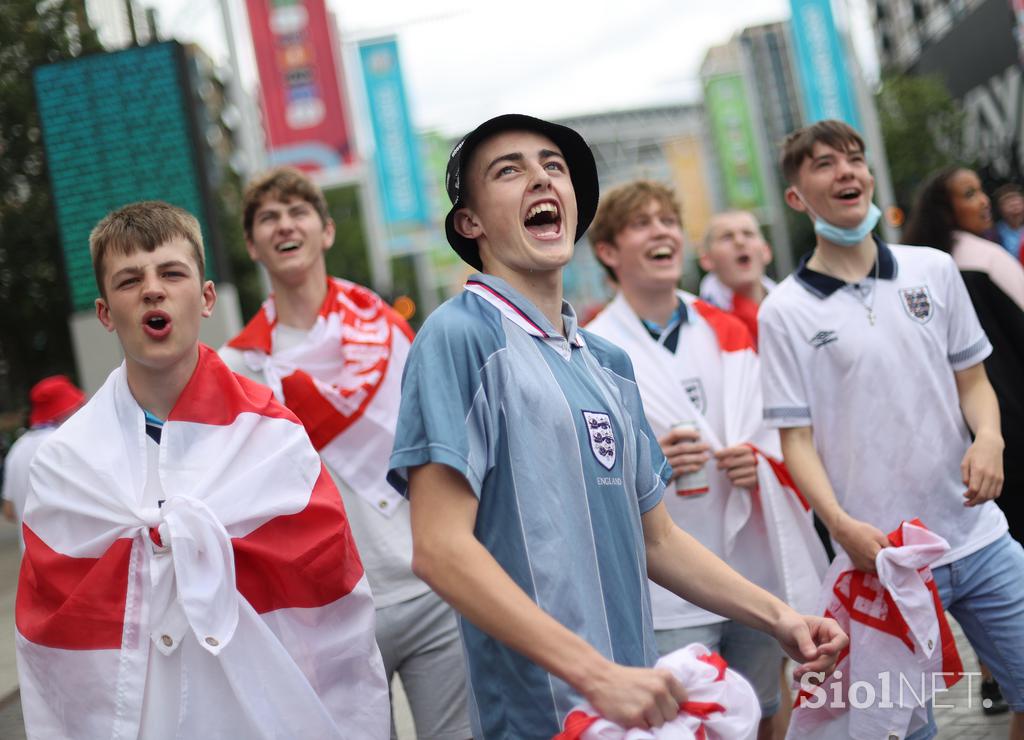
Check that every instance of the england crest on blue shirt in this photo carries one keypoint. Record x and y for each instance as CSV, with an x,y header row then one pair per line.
x,y
918,302
601,436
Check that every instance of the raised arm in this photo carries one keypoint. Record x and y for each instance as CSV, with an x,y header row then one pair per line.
x,y
448,556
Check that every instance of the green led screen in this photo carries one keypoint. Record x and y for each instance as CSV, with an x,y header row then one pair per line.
x,y
117,129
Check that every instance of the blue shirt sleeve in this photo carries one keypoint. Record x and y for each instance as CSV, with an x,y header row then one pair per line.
x,y
446,415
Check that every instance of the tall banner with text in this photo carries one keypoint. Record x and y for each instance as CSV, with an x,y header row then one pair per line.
x,y
397,151
824,74
300,84
732,129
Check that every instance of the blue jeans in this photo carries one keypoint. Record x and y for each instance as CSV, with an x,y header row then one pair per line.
x,y
984,592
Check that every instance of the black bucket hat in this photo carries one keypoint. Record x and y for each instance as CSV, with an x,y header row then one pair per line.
x,y
578,157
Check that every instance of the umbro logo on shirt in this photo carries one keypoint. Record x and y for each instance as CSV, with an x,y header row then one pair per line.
x,y
822,338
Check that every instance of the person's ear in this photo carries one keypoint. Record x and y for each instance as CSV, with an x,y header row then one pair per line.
x,y
209,298
330,231
103,314
251,249
607,254
704,260
467,224
794,201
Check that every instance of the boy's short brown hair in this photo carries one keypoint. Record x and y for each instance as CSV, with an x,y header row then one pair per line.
x,y
281,183
618,206
799,145
145,225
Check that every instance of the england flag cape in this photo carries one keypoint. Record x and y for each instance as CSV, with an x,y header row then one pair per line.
x,y
797,554
901,648
720,705
717,294
248,569
347,391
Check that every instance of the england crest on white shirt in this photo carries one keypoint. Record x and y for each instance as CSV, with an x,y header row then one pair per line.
x,y
918,302
601,436
695,392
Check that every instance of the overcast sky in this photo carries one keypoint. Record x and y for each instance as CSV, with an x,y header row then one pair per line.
x,y
465,61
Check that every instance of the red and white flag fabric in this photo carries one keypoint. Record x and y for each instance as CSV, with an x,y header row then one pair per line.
x,y
788,536
720,705
745,309
343,382
901,648
248,570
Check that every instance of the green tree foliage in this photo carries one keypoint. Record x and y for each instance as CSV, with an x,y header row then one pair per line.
x,y
922,126
34,337
244,272
349,258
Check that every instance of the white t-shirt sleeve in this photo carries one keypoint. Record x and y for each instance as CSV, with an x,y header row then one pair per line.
x,y
785,397
967,344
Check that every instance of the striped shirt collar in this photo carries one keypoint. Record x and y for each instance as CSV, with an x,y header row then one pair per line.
x,y
519,310
822,285
154,425
678,317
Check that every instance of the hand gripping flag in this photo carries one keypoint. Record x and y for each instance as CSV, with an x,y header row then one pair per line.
x,y
788,535
248,570
720,705
901,647
343,382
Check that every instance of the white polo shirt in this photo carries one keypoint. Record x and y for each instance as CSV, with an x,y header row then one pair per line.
x,y
882,397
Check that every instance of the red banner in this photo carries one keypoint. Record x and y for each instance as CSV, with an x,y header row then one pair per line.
x,y
300,85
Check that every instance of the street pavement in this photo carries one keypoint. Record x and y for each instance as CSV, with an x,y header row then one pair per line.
x,y
960,717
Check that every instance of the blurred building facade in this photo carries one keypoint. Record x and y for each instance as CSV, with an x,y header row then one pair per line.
x,y
904,29
752,101
119,23
663,143
775,88
972,46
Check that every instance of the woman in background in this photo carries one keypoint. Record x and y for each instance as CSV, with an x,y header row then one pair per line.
x,y
951,213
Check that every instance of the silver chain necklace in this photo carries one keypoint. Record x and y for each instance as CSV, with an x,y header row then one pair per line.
x,y
869,306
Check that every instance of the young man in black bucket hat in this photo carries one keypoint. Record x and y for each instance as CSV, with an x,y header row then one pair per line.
x,y
534,480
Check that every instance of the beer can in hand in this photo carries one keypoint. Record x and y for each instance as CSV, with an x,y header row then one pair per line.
x,y
696,483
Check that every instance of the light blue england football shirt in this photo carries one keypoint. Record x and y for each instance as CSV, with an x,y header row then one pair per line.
x,y
550,433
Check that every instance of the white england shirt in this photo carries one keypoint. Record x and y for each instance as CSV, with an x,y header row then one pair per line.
x,y
695,361
882,397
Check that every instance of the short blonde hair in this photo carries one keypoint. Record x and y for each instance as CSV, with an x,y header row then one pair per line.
x,y
143,226
618,206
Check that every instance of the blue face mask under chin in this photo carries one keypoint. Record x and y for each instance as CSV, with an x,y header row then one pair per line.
x,y
848,237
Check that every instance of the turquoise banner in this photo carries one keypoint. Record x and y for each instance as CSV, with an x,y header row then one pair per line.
x,y
821,59
397,149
